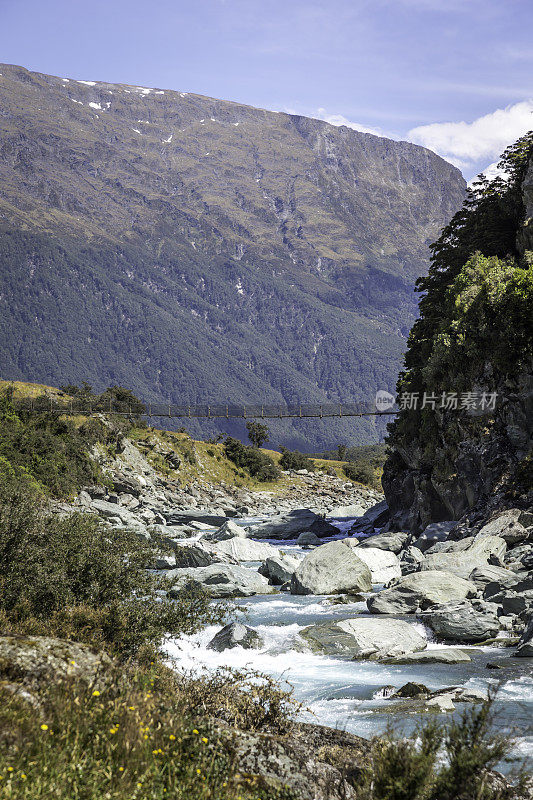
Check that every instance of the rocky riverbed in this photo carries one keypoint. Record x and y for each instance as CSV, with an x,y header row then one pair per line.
x,y
367,624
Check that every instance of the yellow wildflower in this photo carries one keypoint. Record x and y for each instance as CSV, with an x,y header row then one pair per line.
x,y
195,731
204,740
44,727
96,693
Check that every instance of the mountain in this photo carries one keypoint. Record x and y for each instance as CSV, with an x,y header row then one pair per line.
x,y
198,250
474,335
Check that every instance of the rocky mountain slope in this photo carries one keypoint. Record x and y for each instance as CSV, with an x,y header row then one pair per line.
x,y
474,335
201,250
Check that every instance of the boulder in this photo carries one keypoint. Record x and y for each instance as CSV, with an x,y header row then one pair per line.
x,y
374,517
483,576
220,580
312,763
308,538
364,637
279,569
184,516
193,556
441,655
332,568
513,603
525,645
229,530
462,563
383,565
436,532
411,689
420,590
450,546
243,549
386,541
236,635
41,661
507,525
289,526
411,560
441,703
345,512
465,621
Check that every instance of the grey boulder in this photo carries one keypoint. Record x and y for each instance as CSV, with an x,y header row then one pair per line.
x,y
374,517
289,526
220,580
364,637
308,538
462,563
525,645
420,590
387,541
508,526
279,569
184,516
332,568
466,621
436,532
483,576
236,635
229,530
441,655
241,549
383,565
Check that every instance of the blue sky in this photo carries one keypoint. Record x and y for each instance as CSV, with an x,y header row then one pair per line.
x,y
454,75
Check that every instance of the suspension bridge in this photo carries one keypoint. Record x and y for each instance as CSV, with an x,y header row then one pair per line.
x,y
211,411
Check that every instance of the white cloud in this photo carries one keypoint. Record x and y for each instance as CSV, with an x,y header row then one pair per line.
x,y
469,144
338,120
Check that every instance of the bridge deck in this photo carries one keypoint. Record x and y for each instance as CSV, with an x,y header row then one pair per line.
x,y
215,411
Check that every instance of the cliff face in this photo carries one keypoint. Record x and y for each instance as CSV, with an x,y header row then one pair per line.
x,y
464,463
200,250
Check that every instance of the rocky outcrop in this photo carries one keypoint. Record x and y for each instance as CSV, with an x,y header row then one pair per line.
x,y
332,568
472,466
364,637
312,762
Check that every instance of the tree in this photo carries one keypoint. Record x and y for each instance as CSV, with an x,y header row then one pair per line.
x,y
341,451
258,433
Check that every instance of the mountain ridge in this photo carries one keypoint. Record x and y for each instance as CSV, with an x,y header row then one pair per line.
x,y
265,251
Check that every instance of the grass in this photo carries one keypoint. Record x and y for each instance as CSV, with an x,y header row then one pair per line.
x,y
139,737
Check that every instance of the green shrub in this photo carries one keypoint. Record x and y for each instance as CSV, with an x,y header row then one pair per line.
x,y
51,449
257,464
70,576
295,460
363,473
414,768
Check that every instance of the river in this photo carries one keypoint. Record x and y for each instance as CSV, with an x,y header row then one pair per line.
x,y
349,694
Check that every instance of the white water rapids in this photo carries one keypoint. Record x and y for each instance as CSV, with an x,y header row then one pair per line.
x,y
347,694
